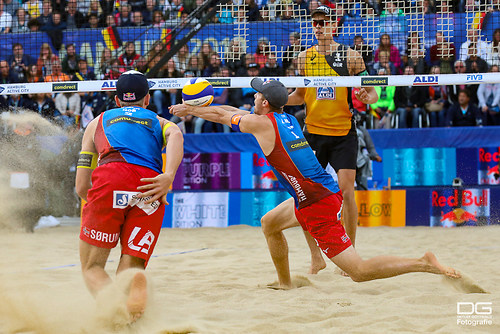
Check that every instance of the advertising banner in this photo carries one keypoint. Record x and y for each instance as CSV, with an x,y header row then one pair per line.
x,y
263,176
381,207
208,171
200,209
420,166
460,207
488,161
256,204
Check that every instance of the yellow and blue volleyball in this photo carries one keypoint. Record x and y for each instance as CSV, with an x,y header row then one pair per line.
x,y
198,92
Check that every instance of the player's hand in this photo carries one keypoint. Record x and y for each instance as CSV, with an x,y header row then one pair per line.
x,y
156,187
362,95
179,110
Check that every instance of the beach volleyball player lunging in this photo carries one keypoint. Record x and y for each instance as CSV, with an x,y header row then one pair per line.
x,y
126,146
318,200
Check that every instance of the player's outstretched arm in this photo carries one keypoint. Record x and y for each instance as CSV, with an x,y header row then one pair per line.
x,y
87,161
216,114
158,187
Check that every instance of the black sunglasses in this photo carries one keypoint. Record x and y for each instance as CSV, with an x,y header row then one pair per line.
x,y
320,23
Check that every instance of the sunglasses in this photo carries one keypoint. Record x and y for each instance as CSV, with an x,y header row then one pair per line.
x,y
320,23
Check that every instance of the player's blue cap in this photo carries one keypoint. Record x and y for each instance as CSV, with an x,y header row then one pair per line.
x,y
132,86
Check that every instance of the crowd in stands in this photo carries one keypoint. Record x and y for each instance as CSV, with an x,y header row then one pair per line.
x,y
413,106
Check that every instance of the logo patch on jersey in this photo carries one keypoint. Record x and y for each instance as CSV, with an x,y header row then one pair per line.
x,y
128,96
325,93
128,119
298,144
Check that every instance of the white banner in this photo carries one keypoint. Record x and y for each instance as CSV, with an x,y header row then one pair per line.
x,y
200,209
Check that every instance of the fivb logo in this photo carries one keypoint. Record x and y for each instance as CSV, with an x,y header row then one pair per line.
x,y
474,314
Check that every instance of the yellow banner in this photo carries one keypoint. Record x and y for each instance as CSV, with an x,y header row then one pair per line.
x,y
381,207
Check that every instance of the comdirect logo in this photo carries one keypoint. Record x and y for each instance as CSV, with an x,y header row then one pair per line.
x,y
64,87
474,314
220,82
374,81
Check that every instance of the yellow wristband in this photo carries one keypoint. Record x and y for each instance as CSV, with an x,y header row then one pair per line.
x,y
87,160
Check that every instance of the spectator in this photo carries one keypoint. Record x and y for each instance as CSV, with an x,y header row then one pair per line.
x,y
386,45
181,59
205,54
16,102
453,90
109,21
141,65
115,70
148,12
70,61
54,29
489,100
128,58
443,54
157,19
42,104
157,51
83,73
474,63
392,20
92,22
194,66
286,12
171,9
235,57
366,153
293,50
33,7
137,19
74,18
272,7
34,25
213,66
261,54
494,51
57,74
416,53
365,51
438,96
94,9
124,17
480,46
83,6
11,6
410,100
384,63
19,63
464,113
5,20
45,59
383,109
46,15
32,74
20,22
163,98
59,5
137,5
69,107
253,13
5,74
103,64
225,15
271,69
107,6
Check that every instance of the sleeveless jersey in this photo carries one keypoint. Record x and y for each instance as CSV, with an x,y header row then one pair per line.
x,y
132,135
327,108
295,165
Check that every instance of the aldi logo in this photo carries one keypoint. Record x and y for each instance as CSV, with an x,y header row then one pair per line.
x,y
109,85
426,80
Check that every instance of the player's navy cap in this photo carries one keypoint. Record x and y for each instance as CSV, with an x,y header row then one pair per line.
x,y
323,10
273,90
132,86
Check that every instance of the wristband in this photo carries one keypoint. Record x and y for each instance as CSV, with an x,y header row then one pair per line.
x,y
235,122
87,160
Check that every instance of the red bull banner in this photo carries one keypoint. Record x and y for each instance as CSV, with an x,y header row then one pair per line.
x,y
460,207
381,207
263,176
208,171
488,172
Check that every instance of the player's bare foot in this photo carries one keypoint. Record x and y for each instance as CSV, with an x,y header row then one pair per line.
x,y
316,266
437,268
277,286
138,296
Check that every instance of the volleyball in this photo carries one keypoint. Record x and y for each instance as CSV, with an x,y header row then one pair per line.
x,y
198,92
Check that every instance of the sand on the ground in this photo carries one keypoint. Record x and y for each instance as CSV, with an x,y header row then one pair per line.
x,y
211,280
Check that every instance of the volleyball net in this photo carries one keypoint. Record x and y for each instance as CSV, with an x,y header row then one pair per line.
x,y
231,41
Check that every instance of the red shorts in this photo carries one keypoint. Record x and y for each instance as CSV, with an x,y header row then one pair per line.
x,y
114,212
322,221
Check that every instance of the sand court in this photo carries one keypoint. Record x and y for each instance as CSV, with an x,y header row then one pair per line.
x,y
213,280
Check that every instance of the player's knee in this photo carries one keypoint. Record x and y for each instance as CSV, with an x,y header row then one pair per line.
x,y
357,274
